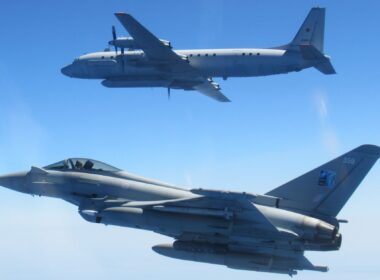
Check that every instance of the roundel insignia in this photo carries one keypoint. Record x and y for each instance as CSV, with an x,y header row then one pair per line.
x,y
327,178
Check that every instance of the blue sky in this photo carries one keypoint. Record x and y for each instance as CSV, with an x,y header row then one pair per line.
x,y
275,129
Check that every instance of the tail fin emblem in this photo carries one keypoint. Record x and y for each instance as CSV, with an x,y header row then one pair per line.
x,y
327,178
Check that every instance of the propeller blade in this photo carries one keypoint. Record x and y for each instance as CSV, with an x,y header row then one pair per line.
x,y
113,32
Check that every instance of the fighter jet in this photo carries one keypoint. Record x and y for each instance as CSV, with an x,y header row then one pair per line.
x,y
147,61
240,230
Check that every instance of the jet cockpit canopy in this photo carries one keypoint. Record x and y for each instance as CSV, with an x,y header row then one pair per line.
x,y
81,164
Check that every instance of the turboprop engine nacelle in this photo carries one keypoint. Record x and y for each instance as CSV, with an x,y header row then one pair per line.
x,y
130,43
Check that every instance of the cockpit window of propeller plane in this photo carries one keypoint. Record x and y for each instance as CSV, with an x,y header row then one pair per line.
x,y
81,164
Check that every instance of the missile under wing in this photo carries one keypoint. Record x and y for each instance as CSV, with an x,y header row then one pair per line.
x,y
245,231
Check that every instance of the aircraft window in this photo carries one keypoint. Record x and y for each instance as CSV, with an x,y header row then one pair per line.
x,y
206,54
102,57
243,53
191,55
90,164
78,165
258,53
111,56
214,54
61,165
199,54
250,53
82,164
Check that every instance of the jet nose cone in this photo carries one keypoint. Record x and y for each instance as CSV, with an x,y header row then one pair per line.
x,y
14,181
5,181
67,70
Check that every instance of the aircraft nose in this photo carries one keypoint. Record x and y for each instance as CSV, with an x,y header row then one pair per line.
x,y
67,70
14,181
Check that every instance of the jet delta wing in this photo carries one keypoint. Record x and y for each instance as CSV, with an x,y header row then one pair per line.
x,y
245,231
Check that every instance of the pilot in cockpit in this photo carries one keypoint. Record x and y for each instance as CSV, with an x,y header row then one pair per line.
x,y
81,165
88,165
78,165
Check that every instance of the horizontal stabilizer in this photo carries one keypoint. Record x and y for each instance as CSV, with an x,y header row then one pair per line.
x,y
326,68
321,62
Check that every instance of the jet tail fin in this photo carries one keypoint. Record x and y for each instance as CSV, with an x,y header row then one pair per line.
x,y
325,190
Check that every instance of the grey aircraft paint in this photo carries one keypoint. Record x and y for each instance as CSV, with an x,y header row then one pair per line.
x,y
146,61
239,230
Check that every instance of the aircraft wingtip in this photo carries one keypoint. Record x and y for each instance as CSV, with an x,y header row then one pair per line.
x,y
120,14
224,99
369,149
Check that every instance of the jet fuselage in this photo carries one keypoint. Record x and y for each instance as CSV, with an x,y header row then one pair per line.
x,y
267,232
102,196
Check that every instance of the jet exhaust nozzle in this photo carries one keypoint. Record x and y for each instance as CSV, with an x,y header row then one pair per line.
x,y
317,229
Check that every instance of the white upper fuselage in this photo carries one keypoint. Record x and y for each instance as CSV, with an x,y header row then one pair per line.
x,y
210,62
144,60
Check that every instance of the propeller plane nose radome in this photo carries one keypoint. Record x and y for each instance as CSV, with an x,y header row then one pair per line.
x,y
67,70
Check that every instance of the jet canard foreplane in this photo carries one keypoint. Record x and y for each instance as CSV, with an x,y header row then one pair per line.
x,y
240,230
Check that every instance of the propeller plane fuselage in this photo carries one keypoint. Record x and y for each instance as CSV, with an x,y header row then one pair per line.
x,y
212,62
143,60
